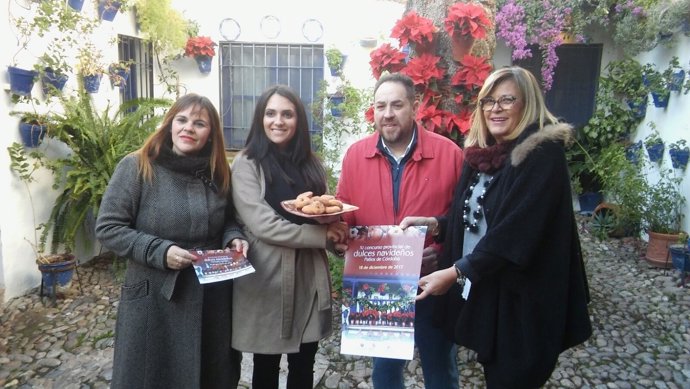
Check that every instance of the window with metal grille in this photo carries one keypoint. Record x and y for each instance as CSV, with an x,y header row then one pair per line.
x,y
140,81
247,69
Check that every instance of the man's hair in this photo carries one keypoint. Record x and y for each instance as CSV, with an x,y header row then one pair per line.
x,y
401,79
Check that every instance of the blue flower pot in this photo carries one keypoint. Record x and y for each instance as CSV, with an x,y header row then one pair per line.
x,y
53,81
204,62
639,109
21,80
108,10
589,201
56,275
92,83
677,80
679,158
661,100
335,102
679,257
655,152
632,152
76,4
31,134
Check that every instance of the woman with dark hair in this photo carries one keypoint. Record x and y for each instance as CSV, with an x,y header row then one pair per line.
x,y
285,306
513,278
171,196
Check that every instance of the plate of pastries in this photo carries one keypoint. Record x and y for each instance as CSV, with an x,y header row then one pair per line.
x,y
324,208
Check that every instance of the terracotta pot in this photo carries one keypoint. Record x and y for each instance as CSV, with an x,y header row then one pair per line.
x,y
657,249
461,45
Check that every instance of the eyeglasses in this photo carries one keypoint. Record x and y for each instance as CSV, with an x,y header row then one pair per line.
x,y
505,102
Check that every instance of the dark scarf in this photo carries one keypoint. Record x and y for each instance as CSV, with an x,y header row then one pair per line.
x,y
197,166
488,159
286,183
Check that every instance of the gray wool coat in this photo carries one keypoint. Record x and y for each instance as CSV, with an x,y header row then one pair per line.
x,y
158,342
287,301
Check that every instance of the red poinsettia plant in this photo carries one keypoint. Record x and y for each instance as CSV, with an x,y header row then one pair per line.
x,y
414,29
467,19
386,59
200,46
424,69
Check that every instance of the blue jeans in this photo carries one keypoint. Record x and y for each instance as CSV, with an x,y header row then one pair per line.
x,y
437,353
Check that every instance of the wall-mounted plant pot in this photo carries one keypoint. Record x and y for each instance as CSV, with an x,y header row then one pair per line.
x,y
632,152
21,80
118,77
52,81
655,152
107,9
76,4
92,82
639,110
679,158
661,100
677,80
31,134
335,72
335,103
204,62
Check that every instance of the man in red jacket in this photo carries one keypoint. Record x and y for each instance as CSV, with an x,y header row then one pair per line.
x,y
404,170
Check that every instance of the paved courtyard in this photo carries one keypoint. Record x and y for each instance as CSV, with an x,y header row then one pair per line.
x,y
641,335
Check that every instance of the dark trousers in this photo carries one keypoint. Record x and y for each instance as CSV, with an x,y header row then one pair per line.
x,y
300,369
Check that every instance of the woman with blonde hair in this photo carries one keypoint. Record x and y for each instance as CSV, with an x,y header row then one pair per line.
x,y
513,279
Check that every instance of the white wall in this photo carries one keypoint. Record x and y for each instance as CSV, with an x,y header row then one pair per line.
x,y
344,29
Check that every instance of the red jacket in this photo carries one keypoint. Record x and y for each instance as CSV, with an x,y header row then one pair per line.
x,y
428,182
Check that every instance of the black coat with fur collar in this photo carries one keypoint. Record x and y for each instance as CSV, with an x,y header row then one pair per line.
x,y
529,295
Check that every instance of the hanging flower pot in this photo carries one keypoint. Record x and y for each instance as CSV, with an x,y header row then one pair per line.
x,y
679,158
108,9
204,62
639,109
661,100
461,45
53,81
31,133
655,151
76,4
336,100
118,75
21,80
677,80
92,82
632,152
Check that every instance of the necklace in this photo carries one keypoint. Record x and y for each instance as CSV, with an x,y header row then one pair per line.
x,y
477,214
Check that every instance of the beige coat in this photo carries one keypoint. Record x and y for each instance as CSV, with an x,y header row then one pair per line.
x,y
287,301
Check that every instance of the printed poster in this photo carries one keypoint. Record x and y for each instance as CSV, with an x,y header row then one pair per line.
x,y
220,265
380,277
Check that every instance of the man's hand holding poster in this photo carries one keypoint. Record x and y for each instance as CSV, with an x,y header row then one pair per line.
x,y
380,277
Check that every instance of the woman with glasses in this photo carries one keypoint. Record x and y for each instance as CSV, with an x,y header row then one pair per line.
x,y
513,278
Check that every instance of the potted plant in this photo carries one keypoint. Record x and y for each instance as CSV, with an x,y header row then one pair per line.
x,y
417,31
679,154
336,61
32,128
108,9
118,73
54,69
386,58
654,144
659,83
202,49
464,23
90,67
97,141
56,268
